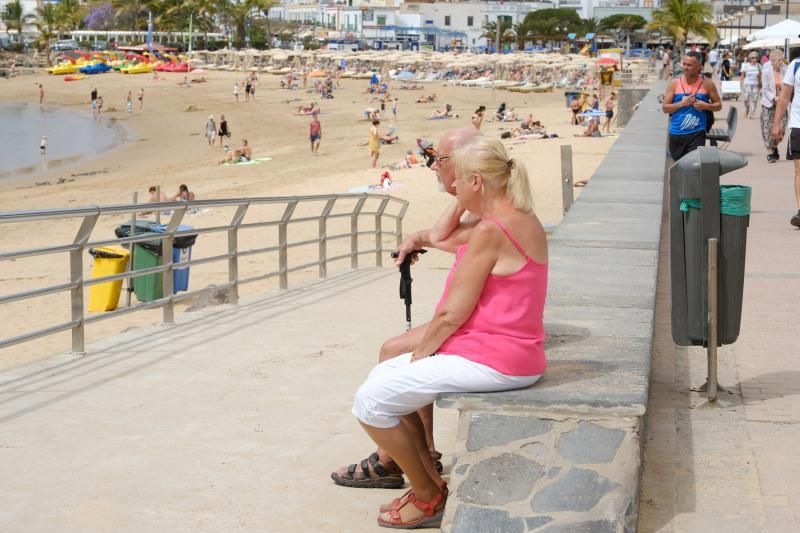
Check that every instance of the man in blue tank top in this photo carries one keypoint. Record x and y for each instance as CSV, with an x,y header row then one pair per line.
x,y
687,100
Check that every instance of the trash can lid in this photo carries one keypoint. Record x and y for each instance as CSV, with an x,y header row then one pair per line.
x,y
162,228
109,252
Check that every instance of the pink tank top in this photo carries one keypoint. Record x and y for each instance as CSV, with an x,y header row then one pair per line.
x,y
506,329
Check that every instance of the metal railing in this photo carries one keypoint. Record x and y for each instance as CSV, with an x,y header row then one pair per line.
x,y
90,215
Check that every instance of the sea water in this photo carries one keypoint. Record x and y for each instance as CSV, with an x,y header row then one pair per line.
x,y
72,135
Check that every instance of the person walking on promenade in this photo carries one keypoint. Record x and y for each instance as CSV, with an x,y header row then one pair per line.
x,y
789,96
770,86
687,100
750,76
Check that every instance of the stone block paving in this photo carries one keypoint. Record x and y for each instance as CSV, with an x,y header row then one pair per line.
x,y
735,467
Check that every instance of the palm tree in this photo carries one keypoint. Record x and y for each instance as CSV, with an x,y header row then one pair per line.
x,y
522,32
490,30
45,22
14,17
679,18
131,13
69,15
590,25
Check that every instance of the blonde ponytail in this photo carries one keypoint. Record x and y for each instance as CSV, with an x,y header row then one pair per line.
x,y
489,158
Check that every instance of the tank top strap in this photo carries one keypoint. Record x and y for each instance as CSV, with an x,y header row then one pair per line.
x,y
510,237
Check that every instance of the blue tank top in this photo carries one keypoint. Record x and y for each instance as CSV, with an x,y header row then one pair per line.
x,y
688,120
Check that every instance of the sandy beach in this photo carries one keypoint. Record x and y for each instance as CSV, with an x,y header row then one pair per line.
x,y
166,146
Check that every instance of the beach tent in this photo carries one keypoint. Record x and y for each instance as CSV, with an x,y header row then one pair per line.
x,y
770,43
785,29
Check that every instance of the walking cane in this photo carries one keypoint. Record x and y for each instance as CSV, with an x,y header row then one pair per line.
x,y
405,282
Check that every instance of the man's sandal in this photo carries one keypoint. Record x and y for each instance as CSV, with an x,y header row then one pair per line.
x,y
398,502
373,475
432,510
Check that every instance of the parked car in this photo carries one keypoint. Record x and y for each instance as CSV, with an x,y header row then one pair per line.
x,y
64,45
99,46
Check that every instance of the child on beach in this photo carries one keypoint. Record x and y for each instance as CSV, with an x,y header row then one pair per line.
x,y
99,108
41,95
129,103
374,142
394,110
236,91
141,98
43,145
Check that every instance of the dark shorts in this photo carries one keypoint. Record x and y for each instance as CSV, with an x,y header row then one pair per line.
x,y
793,148
315,137
680,145
609,114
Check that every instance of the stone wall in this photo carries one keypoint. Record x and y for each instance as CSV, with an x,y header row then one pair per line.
x,y
564,456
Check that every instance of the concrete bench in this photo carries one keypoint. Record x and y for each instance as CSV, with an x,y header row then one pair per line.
x,y
724,134
564,455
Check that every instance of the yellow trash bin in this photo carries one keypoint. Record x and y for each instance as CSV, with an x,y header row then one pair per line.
x,y
107,261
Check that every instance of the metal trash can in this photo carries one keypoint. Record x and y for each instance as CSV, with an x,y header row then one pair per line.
x,y
734,220
701,209
148,254
107,261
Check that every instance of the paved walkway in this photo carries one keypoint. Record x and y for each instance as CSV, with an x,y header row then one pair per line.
x,y
735,468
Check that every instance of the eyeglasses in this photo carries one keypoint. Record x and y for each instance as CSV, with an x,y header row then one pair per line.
x,y
440,158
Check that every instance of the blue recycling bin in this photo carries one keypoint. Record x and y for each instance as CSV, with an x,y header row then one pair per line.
x,y
181,253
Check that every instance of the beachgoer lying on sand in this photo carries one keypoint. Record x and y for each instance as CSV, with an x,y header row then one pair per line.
x,y
183,194
426,99
239,155
408,161
447,113
308,109
524,134
201,79
413,87
390,136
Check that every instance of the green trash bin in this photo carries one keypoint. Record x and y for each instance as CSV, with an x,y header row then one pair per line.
x,y
150,287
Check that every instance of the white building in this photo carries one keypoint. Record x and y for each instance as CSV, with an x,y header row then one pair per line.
x,y
28,8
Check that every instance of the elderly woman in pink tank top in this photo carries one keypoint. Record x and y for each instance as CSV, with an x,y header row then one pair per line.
x,y
487,332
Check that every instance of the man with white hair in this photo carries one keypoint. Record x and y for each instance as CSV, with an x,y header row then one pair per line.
x,y
379,470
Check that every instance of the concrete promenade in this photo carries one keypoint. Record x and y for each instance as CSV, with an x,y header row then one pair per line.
x,y
232,419
735,468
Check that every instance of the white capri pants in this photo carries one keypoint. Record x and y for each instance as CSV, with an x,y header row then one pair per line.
x,y
398,387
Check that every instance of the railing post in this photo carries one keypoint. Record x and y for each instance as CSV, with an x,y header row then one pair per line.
x,y
323,237
567,191
283,259
76,278
399,225
379,232
233,253
354,232
166,259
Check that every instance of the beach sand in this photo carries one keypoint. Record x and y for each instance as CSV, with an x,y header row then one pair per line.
x,y
166,146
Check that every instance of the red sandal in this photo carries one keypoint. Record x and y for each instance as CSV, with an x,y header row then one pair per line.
x,y
395,503
433,511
